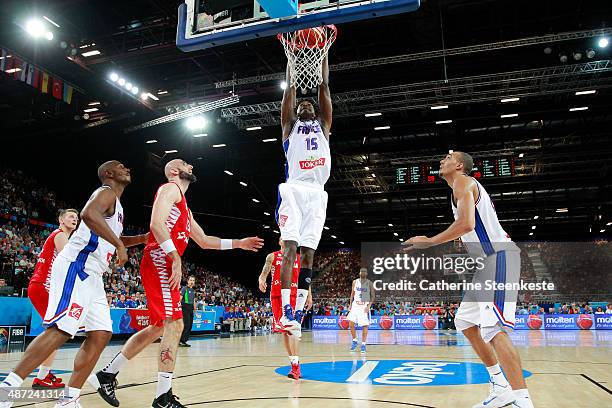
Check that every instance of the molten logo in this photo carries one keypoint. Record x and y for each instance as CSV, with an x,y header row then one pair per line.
x,y
75,311
311,164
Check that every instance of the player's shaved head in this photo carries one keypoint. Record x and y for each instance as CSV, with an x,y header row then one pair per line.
x,y
105,168
466,160
172,165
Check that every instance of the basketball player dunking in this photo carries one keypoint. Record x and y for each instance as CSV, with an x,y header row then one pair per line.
x,y
362,296
172,224
38,289
77,301
273,267
302,200
484,323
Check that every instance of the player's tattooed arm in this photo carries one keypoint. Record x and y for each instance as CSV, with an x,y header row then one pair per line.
x,y
263,276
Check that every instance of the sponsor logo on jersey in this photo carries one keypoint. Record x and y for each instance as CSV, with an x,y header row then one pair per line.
x,y
282,219
312,163
75,311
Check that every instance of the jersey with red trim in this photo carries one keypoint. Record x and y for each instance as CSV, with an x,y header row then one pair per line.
x,y
275,270
488,236
307,153
45,260
178,224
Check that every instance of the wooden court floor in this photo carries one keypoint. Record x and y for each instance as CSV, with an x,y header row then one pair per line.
x,y
568,369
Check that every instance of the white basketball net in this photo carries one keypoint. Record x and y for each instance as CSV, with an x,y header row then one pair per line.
x,y
305,56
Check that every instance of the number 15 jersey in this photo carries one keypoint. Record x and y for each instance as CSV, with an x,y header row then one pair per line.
x,y
308,154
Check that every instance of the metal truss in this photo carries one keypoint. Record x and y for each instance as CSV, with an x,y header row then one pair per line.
x,y
481,88
231,100
522,42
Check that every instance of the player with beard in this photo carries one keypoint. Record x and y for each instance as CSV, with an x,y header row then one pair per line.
x,y
172,224
77,300
38,289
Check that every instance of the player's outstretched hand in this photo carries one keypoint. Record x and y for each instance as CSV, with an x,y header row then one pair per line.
x,y
251,244
122,255
177,272
262,284
418,242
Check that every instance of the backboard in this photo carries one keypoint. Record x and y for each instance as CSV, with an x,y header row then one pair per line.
x,y
209,23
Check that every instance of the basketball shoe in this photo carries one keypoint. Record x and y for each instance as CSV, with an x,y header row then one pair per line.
x,y
105,384
50,381
499,396
363,348
354,345
290,325
295,371
71,403
523,402
167,400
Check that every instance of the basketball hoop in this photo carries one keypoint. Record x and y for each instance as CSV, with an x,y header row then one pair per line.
x,y
305,51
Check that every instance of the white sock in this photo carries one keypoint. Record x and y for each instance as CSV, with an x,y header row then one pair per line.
x,y
42,372
295,360
523,400
494,369
300,301
11,380
363,343
72,393
286,297
115,364
497,376
522,393
355,340
164,383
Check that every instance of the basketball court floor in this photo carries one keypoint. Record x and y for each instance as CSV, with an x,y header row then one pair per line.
x,y
567,369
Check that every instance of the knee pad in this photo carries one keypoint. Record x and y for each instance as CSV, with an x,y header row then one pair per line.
x,y
305,278
462,325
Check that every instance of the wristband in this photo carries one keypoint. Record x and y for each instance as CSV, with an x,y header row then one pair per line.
x,y
167,246
226,244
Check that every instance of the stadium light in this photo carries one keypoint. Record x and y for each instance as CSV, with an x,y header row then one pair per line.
x,y
579,109
91,53
521,155
382,128
128,86
283,85
114,77
35,28
171,151
229,173
535,217
531,234
151,141
269,140
334,237
326,227
134,90
533,227
200,135
390,224
266,213
255,200
341,243
51,21
506,100
196,122
219,145
243,184
589,92
509,115
443,122
439,107
603,230
49,35
121,81
250,129
562,210
603,42
373,114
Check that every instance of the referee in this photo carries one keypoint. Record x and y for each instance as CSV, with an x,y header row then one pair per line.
x,y
187,299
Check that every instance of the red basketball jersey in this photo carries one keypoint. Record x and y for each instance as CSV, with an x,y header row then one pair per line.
x,y
275,287
45,260
178,224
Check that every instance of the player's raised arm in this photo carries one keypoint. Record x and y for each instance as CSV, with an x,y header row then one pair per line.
x,y
325,101
466,217
102,204
265,271
288,106
209,242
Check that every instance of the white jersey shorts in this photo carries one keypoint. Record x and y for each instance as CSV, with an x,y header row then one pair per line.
x,y
301,212
492,308
359,314
77,300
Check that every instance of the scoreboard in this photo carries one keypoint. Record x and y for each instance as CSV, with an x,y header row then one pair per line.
x,y
426,173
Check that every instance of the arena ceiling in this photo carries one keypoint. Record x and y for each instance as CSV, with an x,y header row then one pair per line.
x,y
467,54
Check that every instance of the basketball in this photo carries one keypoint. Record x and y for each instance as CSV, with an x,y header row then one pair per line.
x,y
385,322
534,322
310,37
343,322
429,322
584,321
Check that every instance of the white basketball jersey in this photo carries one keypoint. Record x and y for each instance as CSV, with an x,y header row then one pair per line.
x,y
488,232
92,251
362,292
307,152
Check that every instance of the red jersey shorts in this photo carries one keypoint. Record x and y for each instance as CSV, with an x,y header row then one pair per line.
x,y
39,296
162,302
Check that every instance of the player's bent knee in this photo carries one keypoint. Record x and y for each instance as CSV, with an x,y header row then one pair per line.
x,y
462,325
489,333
